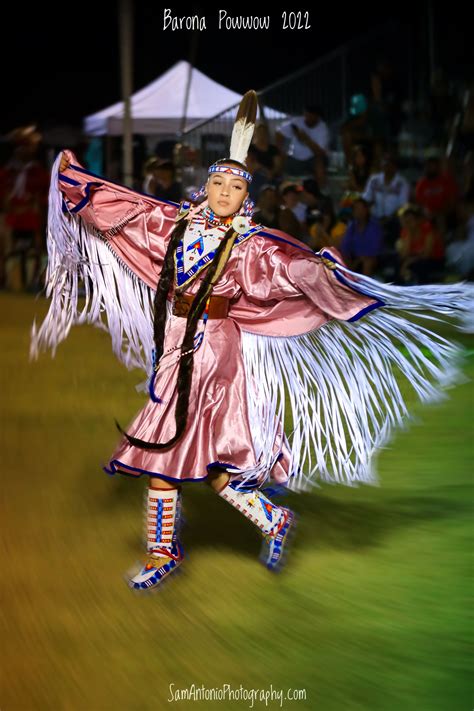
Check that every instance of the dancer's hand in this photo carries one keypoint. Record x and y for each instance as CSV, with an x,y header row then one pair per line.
x,y
329,263
64,162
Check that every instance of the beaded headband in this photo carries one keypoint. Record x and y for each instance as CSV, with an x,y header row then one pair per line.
x,y
228,169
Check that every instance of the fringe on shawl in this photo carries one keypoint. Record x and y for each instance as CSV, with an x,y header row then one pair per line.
x,y
81,263
341,389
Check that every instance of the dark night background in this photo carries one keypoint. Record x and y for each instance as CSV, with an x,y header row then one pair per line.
x,y
61,63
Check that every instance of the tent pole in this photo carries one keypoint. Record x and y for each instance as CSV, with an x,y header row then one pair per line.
x,y
192,61
126,60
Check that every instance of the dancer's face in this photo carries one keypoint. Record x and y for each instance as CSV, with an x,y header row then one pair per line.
x,y
226,193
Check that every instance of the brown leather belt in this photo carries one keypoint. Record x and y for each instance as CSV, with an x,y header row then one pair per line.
x,y
218,306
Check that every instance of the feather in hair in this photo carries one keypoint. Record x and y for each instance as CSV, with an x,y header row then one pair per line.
x,y
244,127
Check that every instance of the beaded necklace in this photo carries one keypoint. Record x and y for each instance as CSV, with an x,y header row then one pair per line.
x,y
215,220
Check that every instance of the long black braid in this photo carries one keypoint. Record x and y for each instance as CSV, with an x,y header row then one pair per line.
x,y
185,371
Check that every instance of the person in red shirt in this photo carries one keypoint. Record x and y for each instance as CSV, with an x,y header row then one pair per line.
x,y
25,191
420,247
436,192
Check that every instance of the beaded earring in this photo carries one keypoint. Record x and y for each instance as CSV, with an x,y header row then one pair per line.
x,y
199,193
249,207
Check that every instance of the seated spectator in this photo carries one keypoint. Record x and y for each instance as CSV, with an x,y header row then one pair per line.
x,y
260,174
460,252
267,155
165,149
308,149
387,192
325,229
436,191
163,183
193,174
293,213
149,177
420,247
360,169
314,199
362,244
268,208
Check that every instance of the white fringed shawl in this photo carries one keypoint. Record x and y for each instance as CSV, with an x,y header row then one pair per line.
x,y
339,388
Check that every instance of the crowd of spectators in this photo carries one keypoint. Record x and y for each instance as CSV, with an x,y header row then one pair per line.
x,y
410,223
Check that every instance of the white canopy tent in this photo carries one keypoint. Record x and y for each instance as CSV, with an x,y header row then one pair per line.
x,y
158,108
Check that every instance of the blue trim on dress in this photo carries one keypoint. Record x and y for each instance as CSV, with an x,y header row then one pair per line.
x,y
218,463
287,241
116,465
151,389
343,280
114,469
86,198
379,303
366,310
66,179
112,182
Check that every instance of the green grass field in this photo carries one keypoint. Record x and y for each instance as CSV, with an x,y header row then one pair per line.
x,y
371,613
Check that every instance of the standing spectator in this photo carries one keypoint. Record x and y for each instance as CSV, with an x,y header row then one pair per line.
x,y
436,191
308,150
420,247
443,104
5,152
364,128
387,97
355,130
387,192
466,120
26,188
362,243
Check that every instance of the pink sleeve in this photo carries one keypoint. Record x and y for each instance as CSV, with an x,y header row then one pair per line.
x,y
294,290
330,290
136,226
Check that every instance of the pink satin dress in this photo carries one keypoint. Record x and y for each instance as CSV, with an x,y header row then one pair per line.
x,y
276,286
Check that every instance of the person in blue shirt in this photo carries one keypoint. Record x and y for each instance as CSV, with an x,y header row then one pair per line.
x,y
363,242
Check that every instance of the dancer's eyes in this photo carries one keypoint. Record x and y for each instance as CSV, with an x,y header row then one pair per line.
x,y
236,186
